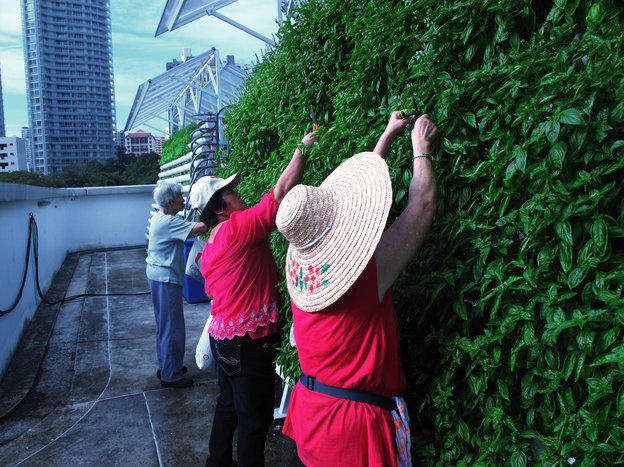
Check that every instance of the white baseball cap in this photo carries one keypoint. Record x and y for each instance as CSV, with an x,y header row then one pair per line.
x,y
205,188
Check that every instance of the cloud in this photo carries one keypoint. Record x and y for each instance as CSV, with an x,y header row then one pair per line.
x,y
12,66
11,18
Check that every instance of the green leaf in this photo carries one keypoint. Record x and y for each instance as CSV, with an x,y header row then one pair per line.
x,y
528,387
559,187
572,117
557,154
552,131
463,431
460,308
518,459
620,402
585,340
565,257
600,234
618,144
595,13
503,390
580,363
470,119
528,333
568,365
576,277
519,163
585,254
607,359
607,339
564,231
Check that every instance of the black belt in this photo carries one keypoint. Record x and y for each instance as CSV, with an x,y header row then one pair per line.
x,y
350,394
273,340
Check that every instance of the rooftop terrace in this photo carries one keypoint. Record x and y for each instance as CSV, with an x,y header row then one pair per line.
x,y
81,388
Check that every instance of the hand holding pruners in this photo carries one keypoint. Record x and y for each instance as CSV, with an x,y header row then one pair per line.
x,y
314,124
415,112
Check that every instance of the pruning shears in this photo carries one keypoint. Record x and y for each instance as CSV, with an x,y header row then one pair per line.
x,y
415,111
314,124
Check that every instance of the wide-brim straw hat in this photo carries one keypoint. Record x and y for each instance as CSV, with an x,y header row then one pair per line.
x,y
334,229
205,188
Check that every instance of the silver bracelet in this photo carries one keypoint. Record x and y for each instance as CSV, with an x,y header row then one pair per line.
x,y
423,154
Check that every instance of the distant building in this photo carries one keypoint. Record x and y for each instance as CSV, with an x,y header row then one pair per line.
x,y
186,55
140,142
12,154
159,140
120,139
30,163
69,81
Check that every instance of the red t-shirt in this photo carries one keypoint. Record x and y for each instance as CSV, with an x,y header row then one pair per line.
x,y
352,344
241,275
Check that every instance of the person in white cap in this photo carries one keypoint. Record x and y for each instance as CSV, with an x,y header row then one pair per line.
x,y
165,276
340,265
241,277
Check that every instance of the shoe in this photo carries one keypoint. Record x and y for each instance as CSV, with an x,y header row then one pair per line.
x,y
184,370
181,383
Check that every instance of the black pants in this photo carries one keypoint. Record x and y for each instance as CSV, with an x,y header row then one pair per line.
x,y
247,384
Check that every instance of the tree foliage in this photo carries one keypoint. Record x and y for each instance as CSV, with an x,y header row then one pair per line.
x,y
512,313
142,171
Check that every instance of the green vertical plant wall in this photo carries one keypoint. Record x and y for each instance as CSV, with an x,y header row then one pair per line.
x,y
178,145
512,313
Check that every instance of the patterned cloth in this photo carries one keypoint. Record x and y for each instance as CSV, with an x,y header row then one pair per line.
x,y
402,433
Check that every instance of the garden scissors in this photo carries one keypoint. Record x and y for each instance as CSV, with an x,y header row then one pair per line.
x,y
314,124
415,111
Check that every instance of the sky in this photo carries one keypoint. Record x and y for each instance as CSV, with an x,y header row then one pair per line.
x,y
137,54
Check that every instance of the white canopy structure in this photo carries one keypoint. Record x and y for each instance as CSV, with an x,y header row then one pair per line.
x,y
202,85
178,13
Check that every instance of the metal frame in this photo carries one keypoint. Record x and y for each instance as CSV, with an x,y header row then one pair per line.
x,y
178,13
204,84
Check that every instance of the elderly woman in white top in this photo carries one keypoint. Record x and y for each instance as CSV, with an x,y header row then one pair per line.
x,y
165,275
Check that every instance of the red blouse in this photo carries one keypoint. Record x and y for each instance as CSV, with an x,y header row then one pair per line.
x,y
241,275
351,344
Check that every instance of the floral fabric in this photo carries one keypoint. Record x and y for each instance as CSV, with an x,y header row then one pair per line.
x,y
402,433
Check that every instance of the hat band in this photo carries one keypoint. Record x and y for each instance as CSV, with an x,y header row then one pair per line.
x,y
314,242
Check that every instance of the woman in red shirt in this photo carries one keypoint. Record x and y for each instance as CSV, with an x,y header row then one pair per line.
x,y
339,268
241,277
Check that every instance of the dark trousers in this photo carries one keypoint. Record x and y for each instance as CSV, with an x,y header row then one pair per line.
x,y
247,383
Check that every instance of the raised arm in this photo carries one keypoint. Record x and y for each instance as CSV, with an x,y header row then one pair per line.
x,y
293,173
395,127
198,229
399,243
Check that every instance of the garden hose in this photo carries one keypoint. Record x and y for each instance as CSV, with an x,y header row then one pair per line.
x,y
33,238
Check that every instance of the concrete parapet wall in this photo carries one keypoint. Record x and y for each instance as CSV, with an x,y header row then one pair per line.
x,y
68,220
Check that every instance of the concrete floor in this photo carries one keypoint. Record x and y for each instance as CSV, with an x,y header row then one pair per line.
x,y
82,389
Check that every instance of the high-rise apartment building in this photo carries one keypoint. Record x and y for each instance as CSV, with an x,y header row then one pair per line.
x,y
28,142
69,81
